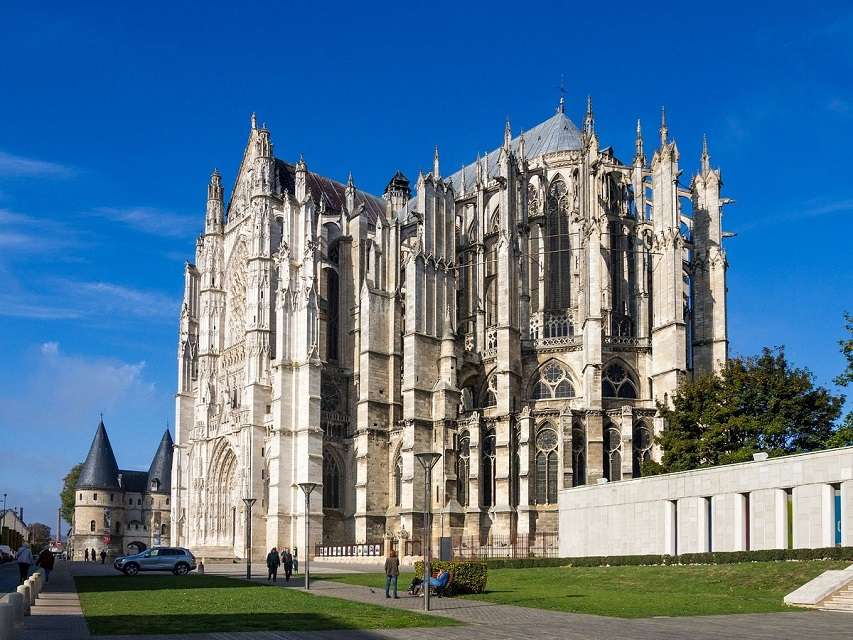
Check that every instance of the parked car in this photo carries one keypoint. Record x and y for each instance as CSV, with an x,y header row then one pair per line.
x,y
175,559
6,554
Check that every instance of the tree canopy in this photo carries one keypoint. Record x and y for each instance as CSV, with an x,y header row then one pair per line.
x,y
66,496
759,403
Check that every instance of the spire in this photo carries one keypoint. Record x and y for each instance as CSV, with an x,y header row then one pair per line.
x,y
663,129
214,187
589,119
448,325
561,106
254,121
160,471
638,144
301,166
462,181
706,158
100,470
507,134
435,172
350,183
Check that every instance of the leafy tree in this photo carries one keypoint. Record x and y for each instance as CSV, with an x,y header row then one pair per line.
x,y
66,496
39,533
844,436
758,403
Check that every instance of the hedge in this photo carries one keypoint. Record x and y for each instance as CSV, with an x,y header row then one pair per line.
x,y
714,557
468,576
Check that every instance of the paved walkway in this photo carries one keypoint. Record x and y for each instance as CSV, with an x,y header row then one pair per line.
x,y
57,616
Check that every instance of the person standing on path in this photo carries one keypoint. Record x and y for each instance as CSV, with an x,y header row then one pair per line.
x,y
392,572
24,558
94,555
46,561
87,554
287,562
296,559
272,564
103,555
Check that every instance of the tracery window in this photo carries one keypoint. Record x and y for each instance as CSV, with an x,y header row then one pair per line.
x,y
463,467
546,465
331,482
553,382
490,397
578,455
559,245
532,199
643,441
398,481
612,454
616,383
489,450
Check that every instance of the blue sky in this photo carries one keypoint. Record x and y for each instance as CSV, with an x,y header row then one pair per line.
x,y
112,118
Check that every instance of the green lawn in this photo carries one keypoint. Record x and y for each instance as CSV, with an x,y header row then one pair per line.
x,y
640,592
194,604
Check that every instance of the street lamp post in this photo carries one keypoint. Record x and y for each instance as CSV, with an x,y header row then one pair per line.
x,y
249,503
3,519
307,488
428,461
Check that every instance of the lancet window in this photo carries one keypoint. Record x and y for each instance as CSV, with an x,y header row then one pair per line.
x,y
463,467
578,455
616,383
559,245
332,478
643,441
612,453
489,449
546,465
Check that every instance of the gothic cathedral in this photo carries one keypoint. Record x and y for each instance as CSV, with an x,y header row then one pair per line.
x,y
520,317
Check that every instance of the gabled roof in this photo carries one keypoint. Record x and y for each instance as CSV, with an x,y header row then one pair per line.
x,y
161,465
557,133
333,193
134,481
100,470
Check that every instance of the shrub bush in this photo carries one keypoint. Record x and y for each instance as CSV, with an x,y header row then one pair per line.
x,y
468,576
714,557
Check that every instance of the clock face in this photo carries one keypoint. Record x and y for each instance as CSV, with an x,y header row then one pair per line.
x,y
546,439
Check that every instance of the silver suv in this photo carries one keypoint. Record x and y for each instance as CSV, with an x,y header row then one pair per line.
x,y
175,559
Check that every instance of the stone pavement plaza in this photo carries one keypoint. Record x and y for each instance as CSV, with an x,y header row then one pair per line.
x,y
57,616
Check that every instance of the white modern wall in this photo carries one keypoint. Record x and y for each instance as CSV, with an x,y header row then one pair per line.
x,y
747,505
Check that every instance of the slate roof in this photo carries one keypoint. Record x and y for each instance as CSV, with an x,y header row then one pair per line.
x,y
557,133
134,481
161,465
332,192
100,470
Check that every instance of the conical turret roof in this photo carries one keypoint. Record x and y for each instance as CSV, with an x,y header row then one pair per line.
x,y
161,466
100,470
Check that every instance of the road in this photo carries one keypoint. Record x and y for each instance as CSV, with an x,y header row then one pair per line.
x,y
8,577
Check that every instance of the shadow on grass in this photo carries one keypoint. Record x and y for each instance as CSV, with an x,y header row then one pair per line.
x,y
209,623
100,584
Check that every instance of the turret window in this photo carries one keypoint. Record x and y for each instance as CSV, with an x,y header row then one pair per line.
x,y
95,497
92,526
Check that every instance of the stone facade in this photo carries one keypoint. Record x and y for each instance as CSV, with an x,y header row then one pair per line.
x,y
121,511
800,501
520,317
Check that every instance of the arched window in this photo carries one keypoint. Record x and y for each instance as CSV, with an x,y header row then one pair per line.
x,y
546,465
488,486
612,454
95,497
164,529
490,271
578,455
559,246
490,396
92,526
398,481
616,383
463,468
643,441
331,482
118,527
552,381
331,314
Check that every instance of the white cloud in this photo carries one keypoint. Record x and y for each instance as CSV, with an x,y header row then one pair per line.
x,y
837,105
101,297
23,233
150,220
20,167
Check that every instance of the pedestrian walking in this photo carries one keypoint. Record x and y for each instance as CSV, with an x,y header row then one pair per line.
x,y
295,559
24,558
287,563
94,555
392,572
103,556
87,554
272,564
46,561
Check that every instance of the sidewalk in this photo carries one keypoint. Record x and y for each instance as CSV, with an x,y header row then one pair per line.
x,y
56,614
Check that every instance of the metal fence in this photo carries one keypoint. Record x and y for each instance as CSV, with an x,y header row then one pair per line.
x,y
534,545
